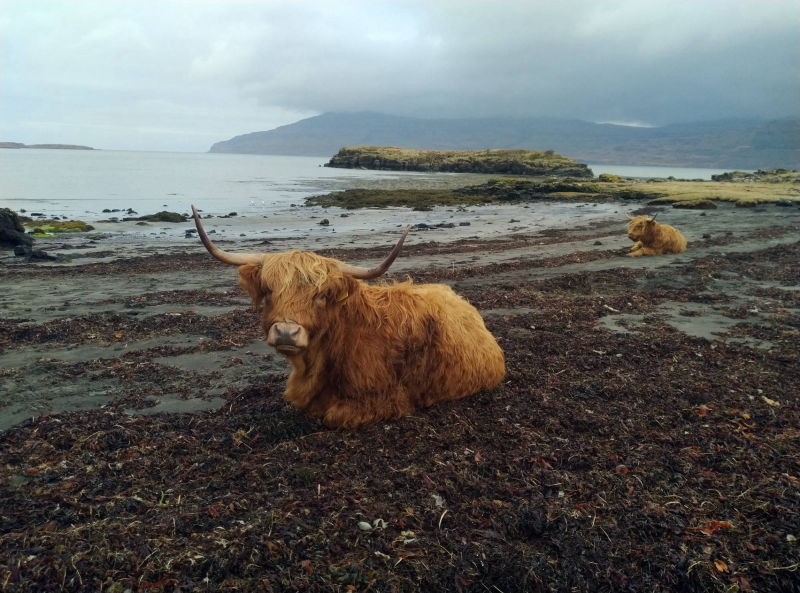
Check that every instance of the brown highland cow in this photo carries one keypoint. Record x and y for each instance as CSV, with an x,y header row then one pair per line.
x,y
362,353
652,238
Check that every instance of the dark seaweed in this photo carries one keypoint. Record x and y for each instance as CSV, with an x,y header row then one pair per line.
x,y
641,461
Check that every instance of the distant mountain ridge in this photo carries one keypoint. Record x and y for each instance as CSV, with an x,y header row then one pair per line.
x,y
48,146
732,143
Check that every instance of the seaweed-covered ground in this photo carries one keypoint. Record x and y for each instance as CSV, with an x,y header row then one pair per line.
x,y
646,438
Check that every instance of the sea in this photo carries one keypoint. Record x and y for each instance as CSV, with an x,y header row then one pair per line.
x,y
96,184
93,185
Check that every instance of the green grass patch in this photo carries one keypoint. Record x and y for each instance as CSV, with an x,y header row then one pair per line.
x,y
418,199
48,228
515,190
720,191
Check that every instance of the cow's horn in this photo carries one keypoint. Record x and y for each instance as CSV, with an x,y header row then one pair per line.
x,y
653,218
367,274
236,259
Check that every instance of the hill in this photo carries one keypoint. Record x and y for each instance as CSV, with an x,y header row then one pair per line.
x,y
741,143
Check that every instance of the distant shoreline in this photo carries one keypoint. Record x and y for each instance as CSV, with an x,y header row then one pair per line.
x,y
46,146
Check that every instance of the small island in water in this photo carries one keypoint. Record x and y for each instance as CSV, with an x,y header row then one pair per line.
x,y
494,161
49,146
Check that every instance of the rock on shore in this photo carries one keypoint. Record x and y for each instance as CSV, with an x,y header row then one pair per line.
x,y
12,233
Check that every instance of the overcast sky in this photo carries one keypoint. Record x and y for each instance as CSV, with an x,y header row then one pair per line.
x,y
180,75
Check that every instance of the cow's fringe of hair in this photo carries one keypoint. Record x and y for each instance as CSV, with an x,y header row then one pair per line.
x,y
311,269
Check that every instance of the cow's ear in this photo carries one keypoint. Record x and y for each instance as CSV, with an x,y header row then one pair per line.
x,y
333,293
250,280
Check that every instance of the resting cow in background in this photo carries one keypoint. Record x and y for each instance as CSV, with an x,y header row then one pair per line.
x,y
361,353
652,238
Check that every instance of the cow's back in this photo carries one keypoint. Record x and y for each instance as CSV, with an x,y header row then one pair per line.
x,y
457,356
671,240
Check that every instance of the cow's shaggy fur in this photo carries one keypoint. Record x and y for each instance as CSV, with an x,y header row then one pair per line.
x,y
373,351
653,238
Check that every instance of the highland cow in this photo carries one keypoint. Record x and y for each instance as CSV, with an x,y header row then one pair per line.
x,y
362,353
652,238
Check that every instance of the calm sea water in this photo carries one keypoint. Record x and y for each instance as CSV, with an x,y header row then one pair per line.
x,y
87,185
82,184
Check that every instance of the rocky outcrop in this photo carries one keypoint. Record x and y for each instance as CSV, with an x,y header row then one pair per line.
x,y
12,233
767,176
497,161
695,204
163,216
29,253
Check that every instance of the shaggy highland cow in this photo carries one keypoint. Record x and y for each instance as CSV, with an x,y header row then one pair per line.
x,y
362,353
652,238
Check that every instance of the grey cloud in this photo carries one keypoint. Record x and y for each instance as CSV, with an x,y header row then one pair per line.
x,y
220,68
630,60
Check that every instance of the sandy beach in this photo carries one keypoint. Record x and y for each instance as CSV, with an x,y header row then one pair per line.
x,y
645,439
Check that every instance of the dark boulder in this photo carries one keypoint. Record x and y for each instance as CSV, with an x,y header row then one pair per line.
x,y
12,233
695,204
33,254
163,216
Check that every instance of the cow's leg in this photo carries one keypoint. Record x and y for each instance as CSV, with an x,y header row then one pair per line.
x,y
352,413
299,393
646,251
638,250
652,251
319,405
304,382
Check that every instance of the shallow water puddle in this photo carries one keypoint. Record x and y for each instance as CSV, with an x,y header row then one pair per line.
x,y
511,312
693,319
84,353
172,403
257,351
31,404
222,370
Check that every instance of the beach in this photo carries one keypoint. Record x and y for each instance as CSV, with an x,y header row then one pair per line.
x,y
645,437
